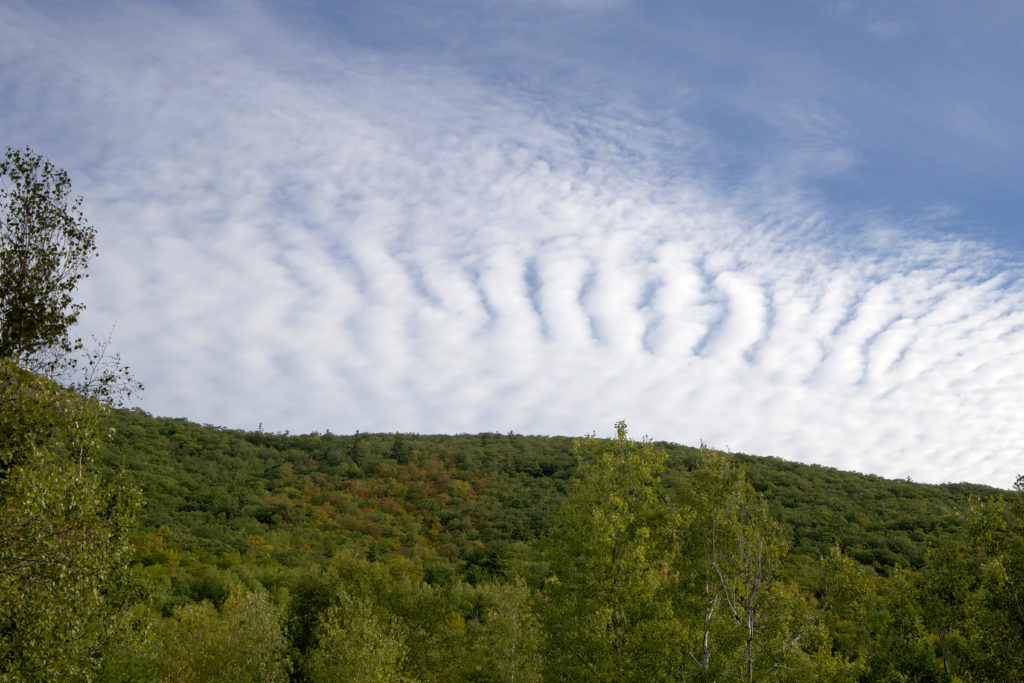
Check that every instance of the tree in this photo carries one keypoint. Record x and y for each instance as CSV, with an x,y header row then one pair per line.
x,y
243,641
506,639
356,642
45,247
739,619
64,552
35,415
606,612
850,594
947,583
901,647
997,529
64,549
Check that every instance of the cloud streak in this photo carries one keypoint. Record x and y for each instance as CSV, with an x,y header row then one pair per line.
x,y
344,240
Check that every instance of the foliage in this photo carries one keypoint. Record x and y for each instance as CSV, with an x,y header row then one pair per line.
x,y
947,588
507,637
243,641
64,549
362,620
849,592
998,533
63,535
35,415
604,609
45,246
354,645
468,505
62,542
741,619
421,544
652,586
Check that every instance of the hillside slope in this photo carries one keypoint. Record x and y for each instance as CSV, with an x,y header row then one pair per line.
x,y
461,505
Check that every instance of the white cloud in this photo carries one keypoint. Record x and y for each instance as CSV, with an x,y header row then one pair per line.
x,y
350,241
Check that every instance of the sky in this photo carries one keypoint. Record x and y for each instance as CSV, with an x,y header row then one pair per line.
x,y
781,228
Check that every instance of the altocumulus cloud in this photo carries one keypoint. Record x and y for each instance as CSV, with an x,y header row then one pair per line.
x,y
342,239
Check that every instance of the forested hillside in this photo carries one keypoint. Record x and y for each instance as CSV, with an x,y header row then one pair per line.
x,y
160,549
890,572
470,504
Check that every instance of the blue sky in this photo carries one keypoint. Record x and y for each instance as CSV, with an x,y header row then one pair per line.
x,y
785,228
916,101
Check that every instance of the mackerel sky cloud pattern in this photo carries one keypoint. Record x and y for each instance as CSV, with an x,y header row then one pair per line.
x,y
336,234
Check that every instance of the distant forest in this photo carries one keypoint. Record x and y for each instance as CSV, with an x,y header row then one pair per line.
x,y
510,557
258,556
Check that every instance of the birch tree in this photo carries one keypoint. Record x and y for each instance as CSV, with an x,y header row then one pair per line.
x,y
741,621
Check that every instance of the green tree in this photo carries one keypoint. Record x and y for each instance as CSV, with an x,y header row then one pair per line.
x,y
45,247
36,415
850,595
357,642
606,614
997,527
740,619
63,532
502,635
63,536
244,641
947,586
902,648
337,608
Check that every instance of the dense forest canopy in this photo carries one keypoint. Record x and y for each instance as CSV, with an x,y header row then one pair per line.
x,y
202,481
472,512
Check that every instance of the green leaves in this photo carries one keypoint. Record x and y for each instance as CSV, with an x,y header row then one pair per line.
x,y
997,527
45,247
740,619
648,586
609,553
63,532
62,550
647,562
243,641
357,643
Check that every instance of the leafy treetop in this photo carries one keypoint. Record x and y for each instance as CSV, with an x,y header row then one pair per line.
x,y
45,246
